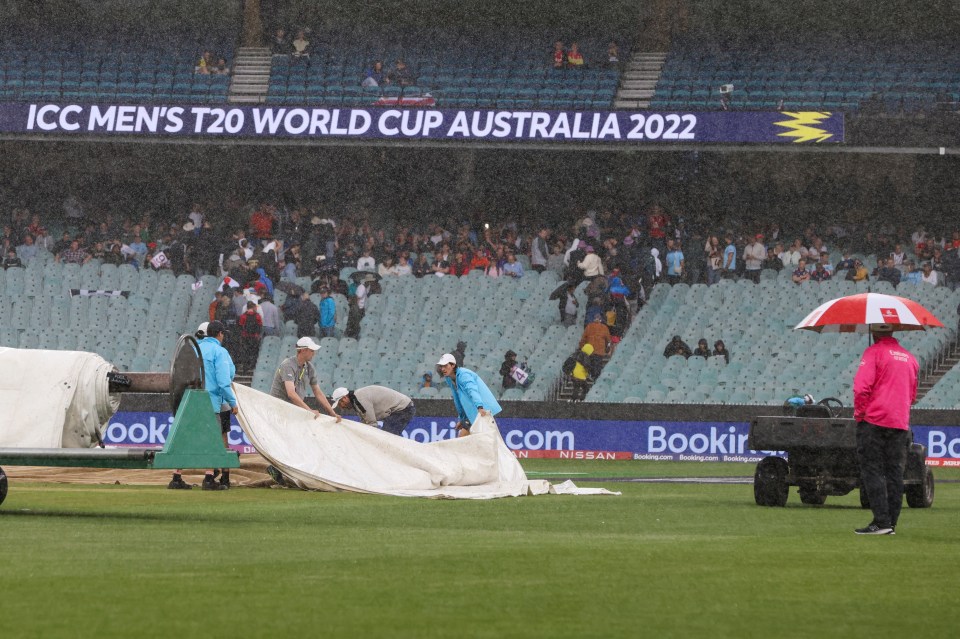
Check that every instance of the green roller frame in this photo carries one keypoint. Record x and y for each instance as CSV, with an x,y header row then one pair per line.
x,y
194,441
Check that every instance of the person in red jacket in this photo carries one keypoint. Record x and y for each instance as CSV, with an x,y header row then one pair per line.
x,y
559,55
262,221
251,330
884,388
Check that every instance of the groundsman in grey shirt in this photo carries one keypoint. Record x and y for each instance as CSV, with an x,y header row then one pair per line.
x,y
373,404
295,374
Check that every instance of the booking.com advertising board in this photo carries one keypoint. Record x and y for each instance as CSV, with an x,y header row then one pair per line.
x,y
418,123
569,439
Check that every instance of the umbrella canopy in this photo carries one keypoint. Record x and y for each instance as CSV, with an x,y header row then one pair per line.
x,y
560,290
290,288
365,276
855,314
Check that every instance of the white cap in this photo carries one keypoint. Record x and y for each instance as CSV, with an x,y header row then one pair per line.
x,y
446,359
203,328
189,226
338,394
306,342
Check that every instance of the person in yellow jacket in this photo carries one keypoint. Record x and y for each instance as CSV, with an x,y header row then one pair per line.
x,y
581,372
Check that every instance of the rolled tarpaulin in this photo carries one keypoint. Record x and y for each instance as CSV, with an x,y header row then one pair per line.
x,y
53,399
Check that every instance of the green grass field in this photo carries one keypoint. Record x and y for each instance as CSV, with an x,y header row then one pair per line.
x,y
661,560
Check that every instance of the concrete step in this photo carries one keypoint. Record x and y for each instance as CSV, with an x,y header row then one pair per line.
x,y
247,99
627,104
635,94
639,83
648,56
261,90
641,75
630,87
255,79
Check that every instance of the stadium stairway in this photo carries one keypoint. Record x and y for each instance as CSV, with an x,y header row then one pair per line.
x,y
639,80
251,75
950,359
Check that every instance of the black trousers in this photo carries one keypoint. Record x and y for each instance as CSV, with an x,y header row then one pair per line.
x,y
580,389
882,453
396,422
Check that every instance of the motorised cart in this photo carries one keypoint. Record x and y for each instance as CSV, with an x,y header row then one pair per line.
x,y
821,459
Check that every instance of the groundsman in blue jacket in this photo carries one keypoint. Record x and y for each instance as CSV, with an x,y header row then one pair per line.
x,y
470,394
218,372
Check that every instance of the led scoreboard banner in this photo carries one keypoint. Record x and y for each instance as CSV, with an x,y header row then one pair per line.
x,y
627,128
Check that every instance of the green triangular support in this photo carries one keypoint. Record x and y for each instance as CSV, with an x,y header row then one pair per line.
x,y
194,439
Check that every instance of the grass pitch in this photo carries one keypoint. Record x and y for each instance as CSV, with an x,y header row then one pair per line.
x,y
661,560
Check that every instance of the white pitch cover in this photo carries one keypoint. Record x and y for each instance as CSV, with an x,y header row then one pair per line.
x,y
319,454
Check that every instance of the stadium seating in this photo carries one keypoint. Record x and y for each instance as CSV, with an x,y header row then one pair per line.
x,y
489,70
769,360
828,75
478,70
143,67
428,317
414,321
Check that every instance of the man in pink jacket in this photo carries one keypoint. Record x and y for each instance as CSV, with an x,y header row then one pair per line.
x,y
884,388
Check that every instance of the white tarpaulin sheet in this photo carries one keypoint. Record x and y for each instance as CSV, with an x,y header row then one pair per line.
x,y
53,399
319,454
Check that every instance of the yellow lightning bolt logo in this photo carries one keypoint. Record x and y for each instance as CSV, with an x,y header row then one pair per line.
x,y
803,126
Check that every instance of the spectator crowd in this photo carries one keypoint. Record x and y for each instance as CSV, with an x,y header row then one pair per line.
x,y
619,255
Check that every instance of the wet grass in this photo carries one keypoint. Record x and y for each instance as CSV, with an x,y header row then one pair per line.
x,y
660,560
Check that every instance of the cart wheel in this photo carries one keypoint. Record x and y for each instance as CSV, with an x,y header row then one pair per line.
x,y
834,404
812,497
3,485
864,500
921,495
770,482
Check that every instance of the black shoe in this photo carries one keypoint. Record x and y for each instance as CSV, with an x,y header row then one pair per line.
x,y
874,529
276,475
225,481
177,483
209,483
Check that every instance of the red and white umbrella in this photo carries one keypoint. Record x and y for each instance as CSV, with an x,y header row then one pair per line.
x,y
855,314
